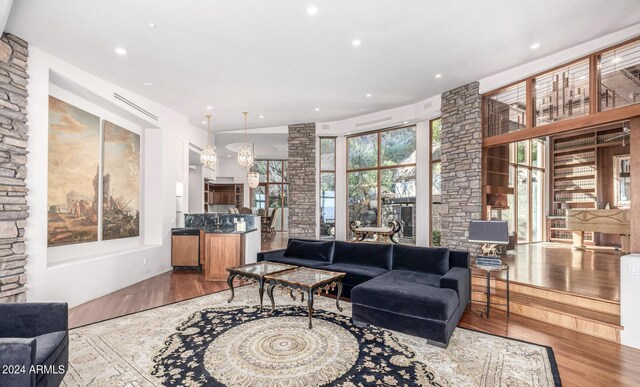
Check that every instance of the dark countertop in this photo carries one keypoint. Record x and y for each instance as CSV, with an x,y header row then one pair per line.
x,y
213,230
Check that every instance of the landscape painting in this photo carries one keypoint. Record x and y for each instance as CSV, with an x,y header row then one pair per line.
x,y
74,155
121,183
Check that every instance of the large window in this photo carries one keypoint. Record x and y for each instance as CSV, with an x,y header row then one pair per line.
x,y
525,208
327,187
381,179
272,192
436,178
600,82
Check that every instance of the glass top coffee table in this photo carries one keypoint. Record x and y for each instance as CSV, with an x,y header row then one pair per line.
x,y
305,280
256,272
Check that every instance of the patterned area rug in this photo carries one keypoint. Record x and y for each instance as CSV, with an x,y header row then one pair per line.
x,y
207,342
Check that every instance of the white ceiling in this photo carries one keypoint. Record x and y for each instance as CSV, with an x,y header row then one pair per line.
x,y
272,146
270,58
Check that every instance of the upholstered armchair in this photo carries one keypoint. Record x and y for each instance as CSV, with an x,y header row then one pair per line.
x,y
34,344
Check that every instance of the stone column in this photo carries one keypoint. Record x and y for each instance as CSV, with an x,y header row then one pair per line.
x,y
301,174
461,164
13,157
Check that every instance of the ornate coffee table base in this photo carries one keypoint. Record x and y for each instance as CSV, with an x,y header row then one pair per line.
x,y
255,272
309,292
259,280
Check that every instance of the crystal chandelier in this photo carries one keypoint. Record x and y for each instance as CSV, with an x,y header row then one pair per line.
x,y
253,178
208,157
245,153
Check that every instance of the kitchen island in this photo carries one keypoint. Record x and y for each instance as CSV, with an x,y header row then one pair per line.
x,y
222,245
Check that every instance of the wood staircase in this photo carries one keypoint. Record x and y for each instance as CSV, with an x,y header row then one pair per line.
x,y
594,317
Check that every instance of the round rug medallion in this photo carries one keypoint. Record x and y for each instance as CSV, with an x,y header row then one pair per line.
x,y
284,351
242,347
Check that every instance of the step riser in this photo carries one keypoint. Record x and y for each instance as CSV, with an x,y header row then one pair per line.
x,y
556,318
549,295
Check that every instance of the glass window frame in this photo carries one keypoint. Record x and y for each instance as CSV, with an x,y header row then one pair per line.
x,y
326,172
267,184
593,88
433,161
378,168
527,164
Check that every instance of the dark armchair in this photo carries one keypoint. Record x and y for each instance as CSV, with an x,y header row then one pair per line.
x,y
34,344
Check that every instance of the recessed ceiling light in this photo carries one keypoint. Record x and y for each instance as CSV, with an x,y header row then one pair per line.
x,y
228,155
356,42
204,122
317,109
535,46
261,116
311,11
209,107
120,51
368,95
406,122
438,75
148,84
151,25
348,132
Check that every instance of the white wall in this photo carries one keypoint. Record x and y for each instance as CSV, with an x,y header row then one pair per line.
x,y
86,271
196,190
629,290
229,168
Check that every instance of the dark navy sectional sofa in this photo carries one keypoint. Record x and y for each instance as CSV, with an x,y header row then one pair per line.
x,y
421,291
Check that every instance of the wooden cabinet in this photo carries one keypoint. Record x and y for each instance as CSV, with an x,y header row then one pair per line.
x,y
185,250
226,194
222,251
223,198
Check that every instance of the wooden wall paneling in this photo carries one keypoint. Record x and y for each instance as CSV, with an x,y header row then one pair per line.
x,y
594,84
635,184
531,103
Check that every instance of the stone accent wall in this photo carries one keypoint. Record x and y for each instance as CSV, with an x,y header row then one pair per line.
x,y
13,157
461,164
301,174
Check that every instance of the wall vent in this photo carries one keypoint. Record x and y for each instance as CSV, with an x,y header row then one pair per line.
x,y
428,105
133,105
373,122
326,127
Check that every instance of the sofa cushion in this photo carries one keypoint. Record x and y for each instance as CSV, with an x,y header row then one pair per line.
x,y
49,346
434,260
356,274
414,277
297,261
309,249
406,298
369,254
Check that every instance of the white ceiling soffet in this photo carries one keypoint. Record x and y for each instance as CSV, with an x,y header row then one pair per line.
x,y
272,58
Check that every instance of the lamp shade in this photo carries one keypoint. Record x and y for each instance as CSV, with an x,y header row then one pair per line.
x,y
484,231
253,178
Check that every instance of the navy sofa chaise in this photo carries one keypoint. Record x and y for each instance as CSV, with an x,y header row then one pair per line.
x,y
34,344
421,291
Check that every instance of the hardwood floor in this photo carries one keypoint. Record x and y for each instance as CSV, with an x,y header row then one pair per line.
x,y
582,360
557,266
160,290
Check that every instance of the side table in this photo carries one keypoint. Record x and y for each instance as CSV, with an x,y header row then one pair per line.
x,y
488,270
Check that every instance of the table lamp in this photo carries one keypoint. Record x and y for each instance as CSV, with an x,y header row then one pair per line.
x,y
491,234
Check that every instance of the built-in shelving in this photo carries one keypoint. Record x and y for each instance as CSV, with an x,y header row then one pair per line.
x,y
575,179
